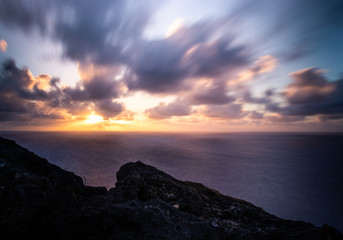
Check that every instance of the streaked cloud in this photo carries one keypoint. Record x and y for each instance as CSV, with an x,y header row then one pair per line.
x,y
309,87
163,111
210,91
163,66
310,93
174,27
209,69
226,112
25,97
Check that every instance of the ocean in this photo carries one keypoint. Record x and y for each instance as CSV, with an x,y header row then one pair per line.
x,y
296,176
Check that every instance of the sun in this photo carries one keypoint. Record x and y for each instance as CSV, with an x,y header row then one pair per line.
x,y
93,118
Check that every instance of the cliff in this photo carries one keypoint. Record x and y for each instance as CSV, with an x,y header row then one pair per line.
x,y
39,200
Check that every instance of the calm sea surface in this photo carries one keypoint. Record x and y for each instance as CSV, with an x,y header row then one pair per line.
x,y
294,176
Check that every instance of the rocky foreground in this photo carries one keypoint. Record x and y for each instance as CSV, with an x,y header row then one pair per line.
x,y
39,200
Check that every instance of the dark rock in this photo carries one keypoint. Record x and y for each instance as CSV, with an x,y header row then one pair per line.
x,y
39,200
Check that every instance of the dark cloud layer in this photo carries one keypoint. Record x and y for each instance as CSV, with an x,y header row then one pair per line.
x,y
310,87
95,89
88,31
228,111
108,109
98,32
162,65
164,111
21,97
215,93
19,83
156,67
24,14
25,97
311,93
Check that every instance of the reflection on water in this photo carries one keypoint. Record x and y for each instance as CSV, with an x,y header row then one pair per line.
x,y
295,176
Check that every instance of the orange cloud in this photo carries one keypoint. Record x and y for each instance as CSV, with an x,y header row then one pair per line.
x,y
263,64
125,116
43,81
174,27
3,45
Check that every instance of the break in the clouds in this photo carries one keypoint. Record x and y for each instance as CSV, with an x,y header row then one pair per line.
x,y
230,64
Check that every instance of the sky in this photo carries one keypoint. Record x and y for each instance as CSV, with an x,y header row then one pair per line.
x,y
178,65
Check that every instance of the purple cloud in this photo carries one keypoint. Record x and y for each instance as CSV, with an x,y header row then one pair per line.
x,y
310,94
163,111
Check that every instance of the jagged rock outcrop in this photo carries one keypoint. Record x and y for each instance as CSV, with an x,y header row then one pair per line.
x,y
39,200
